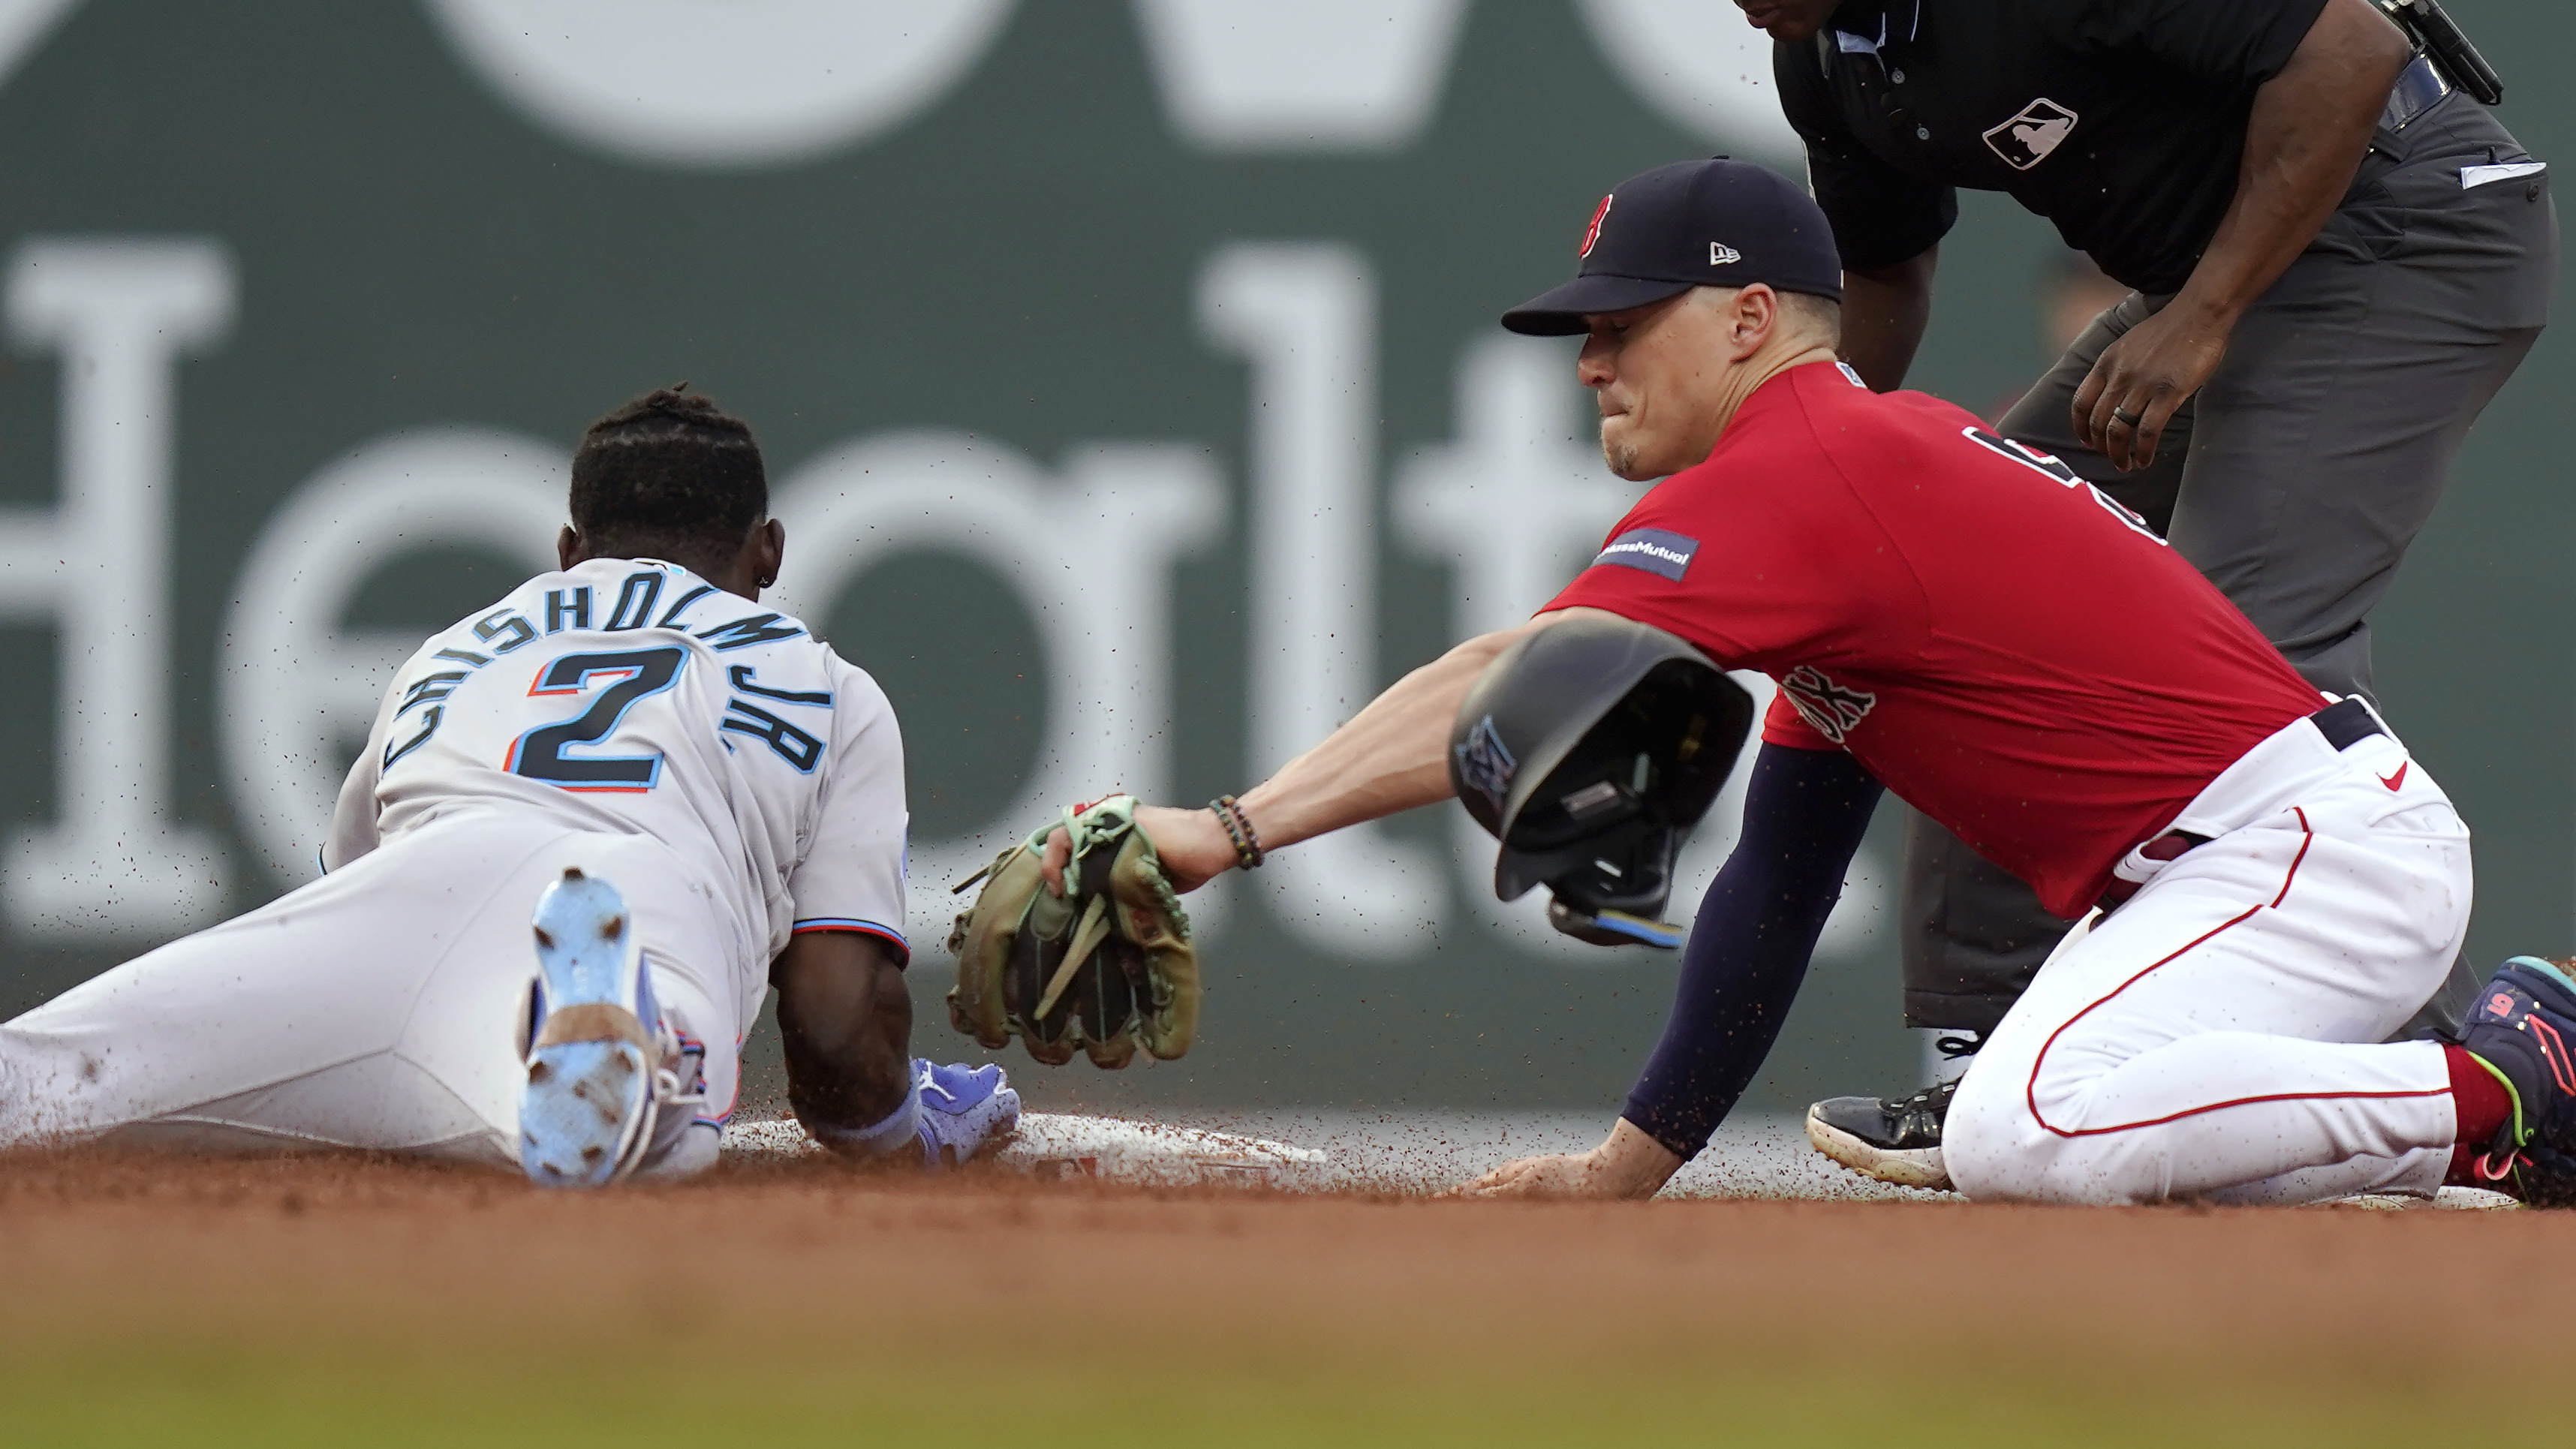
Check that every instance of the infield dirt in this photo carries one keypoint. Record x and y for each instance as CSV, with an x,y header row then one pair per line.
x,y
347,1300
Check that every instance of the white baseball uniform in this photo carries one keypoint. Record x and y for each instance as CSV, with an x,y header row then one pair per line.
x,y
731,775
2217,1035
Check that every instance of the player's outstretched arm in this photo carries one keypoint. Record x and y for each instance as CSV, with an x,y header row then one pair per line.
x,y
1805,812
845,1016
1390,757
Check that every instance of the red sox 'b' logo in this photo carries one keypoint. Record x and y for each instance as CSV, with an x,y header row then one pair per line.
x,y
1592,233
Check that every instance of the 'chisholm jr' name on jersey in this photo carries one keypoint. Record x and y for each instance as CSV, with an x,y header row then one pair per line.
x,y
632,695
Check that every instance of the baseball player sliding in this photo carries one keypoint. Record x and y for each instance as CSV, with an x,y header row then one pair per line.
x,y
2271,884
690,797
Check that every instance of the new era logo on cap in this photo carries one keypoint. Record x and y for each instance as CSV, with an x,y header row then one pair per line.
x,y
1592,233
1719,254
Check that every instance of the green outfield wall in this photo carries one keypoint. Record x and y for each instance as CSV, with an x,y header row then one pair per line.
x,y
1131,391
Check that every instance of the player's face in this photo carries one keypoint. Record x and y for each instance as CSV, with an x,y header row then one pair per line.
x,y
1657,374
1791,20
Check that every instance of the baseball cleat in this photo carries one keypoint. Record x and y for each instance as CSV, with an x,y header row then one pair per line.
x,y
586,1113
2523,1029
963,1110
1895,1141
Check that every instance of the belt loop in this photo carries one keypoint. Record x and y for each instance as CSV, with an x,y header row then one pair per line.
x,y
2347,722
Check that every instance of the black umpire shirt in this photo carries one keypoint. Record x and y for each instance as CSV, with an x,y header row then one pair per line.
x,y
2122,121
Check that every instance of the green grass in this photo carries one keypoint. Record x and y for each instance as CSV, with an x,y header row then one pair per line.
x,y
688,1389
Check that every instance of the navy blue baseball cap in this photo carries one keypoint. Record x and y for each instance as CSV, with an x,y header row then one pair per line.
x,y
1714,223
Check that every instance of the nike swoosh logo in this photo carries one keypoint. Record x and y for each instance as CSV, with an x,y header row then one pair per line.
x,y
2393,781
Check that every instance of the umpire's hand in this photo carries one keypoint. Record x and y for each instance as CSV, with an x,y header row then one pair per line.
x,y
2135,385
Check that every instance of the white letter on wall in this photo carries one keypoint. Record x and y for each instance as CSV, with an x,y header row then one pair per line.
x,y
297,690
1699,64
98,566
736,84
1091,554
1312,75
1306,317
1515,507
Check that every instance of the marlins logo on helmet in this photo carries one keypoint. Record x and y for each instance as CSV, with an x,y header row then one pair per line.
x,y
1484,765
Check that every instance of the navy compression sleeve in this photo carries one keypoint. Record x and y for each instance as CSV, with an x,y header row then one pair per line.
x,y
1804,814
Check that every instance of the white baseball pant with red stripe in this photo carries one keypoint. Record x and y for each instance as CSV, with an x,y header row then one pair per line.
x,y
2217,1036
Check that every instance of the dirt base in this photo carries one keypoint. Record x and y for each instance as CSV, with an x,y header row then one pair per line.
x,y
346,1300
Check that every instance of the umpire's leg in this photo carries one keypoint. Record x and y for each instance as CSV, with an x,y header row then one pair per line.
x,y
1972,933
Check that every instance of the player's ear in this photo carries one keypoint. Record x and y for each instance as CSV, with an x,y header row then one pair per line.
x,y
768,550
568,549
1757,318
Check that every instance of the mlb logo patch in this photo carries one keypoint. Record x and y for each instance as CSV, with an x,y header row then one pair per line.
x,y
2034,131
1655,550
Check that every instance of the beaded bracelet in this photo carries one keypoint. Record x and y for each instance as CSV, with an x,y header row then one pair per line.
x,y
1238,828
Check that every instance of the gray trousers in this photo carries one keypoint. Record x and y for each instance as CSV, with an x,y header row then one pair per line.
x,y
2295,480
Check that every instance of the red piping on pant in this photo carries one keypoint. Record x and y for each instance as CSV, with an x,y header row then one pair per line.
x,y
2030,1090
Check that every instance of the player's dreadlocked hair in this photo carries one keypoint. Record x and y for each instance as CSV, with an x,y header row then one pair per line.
x,y
668,476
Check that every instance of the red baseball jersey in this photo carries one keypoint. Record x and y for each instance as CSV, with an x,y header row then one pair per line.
x,y
2003,646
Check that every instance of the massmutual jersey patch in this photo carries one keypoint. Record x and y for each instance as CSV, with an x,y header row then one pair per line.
x,y
1656,550
1831,709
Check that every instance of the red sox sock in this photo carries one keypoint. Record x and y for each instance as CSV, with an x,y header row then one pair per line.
x,y
2483,1106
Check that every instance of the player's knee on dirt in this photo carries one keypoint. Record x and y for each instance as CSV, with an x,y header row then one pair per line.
x,y
1976,1140
1996,1148
845,1017
1993,1146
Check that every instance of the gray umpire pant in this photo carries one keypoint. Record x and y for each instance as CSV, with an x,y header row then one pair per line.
x,y
2294,480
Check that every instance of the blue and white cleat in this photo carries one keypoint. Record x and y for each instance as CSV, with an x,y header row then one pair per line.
x,y
963,1110
586,1114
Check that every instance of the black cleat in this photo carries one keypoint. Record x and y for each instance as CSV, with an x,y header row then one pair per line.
x,y
1896,1141
2523,1028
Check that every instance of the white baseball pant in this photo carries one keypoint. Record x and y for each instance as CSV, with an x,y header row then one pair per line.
x,y
2218,1035
379,1007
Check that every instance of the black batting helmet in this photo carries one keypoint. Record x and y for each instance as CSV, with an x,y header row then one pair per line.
x,y
1589,749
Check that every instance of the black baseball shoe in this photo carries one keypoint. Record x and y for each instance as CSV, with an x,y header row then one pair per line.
x,y
1896,1140
2524,1030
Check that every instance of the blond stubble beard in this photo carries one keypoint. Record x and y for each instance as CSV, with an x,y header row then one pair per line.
x,y
1621,457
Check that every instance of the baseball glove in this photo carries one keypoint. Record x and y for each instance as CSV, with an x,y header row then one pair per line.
x,y
1107,966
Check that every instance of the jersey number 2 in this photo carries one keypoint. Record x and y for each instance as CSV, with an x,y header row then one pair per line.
x,y
539,754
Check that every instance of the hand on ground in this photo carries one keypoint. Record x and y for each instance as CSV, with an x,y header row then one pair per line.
x,y
1627,1164
1556,1175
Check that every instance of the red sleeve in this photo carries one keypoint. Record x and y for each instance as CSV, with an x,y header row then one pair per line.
x,y
1667,571
1782,725
1762,556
